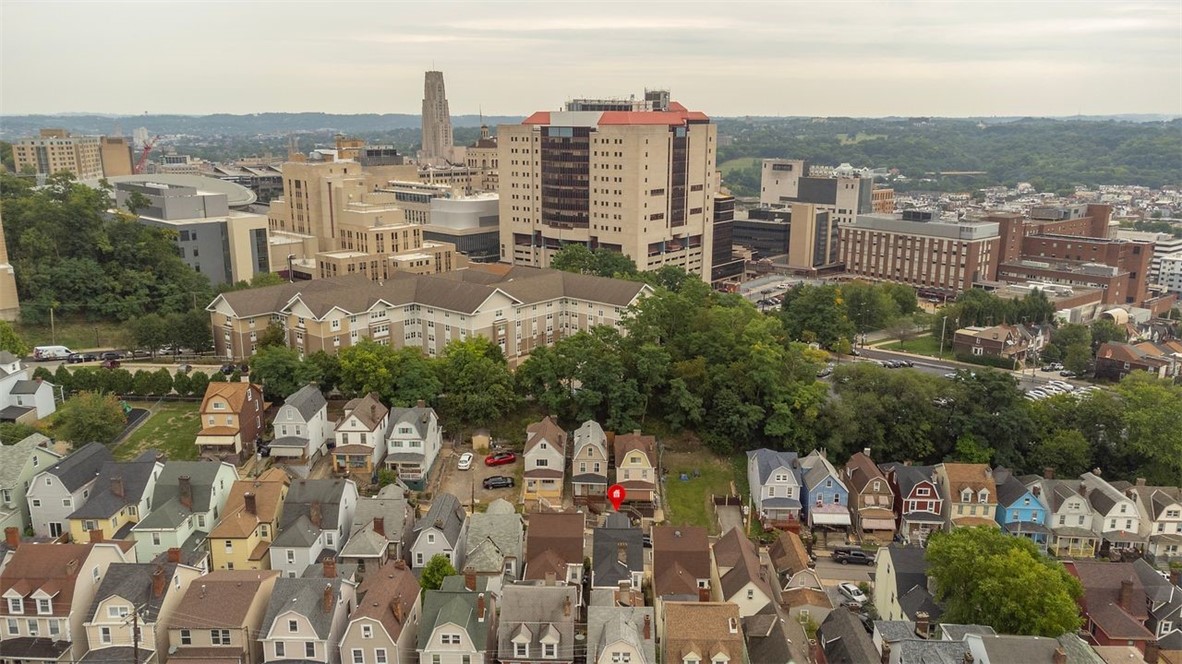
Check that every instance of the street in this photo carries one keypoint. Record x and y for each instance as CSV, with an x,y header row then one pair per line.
x,y
1026,379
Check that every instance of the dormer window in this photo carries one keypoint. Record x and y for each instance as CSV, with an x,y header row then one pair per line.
x,y
922,491
521,650
44,606
983,496
966,496
16,605
877,486
217,405
549,650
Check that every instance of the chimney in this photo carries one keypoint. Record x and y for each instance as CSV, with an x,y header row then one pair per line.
x,y
420,404
1152,652
550,578
117,486
158,581
160,457
566,606
314,513
174,555
397,606
330,568
622,553
72,567
1140,481
703,594
968,657
1175,576
1036,490
400,564
1096,472
379,525
12,537
480,607
1048,473
470,578
885,658
921,624
248,500
625,585
185,487
1059,656
733,625
96,535
636,432
328,597
1125,599
648,627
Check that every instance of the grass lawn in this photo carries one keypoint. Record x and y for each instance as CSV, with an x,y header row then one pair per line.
x,y
845,139
927,345
172,429
75,335
688,502
742,162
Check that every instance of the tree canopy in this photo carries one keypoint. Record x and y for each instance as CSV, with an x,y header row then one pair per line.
x,y
90,417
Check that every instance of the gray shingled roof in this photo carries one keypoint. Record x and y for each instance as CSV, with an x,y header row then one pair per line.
x,y
816,469
416,417
767,461
1101,494
363,541
298,534
540,609
8,358
13,458
167,511
82,466
307,401
590,433
493,536
606,568
25,387
844,640
133,582
304,493
911,580
1010,491
134,476
305,596
453,603
767,640
908,476
447,514
607,625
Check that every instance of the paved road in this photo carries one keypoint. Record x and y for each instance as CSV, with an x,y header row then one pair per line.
x,y
1026,379
832,573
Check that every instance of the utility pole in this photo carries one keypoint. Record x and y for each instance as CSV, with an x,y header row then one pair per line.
x,y
943,330
135,636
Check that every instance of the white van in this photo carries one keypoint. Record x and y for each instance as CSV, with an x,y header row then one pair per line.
x,y
51,353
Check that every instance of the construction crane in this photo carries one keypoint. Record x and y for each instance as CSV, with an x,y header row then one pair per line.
x,y
139,165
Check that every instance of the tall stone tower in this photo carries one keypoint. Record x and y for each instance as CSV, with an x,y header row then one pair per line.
x,y
10,306
437,138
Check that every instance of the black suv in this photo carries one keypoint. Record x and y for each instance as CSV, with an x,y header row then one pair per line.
x,y
498,482
846,556
112,355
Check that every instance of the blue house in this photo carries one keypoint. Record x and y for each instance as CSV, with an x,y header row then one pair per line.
x,y
1020,510
823,494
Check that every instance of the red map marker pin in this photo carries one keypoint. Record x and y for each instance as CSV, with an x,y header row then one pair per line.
x,y
616,493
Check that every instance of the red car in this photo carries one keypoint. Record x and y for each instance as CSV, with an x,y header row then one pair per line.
x,y
500,459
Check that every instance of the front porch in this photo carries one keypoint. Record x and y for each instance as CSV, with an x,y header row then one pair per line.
x,y
409,468
289,449
589,489
1036,532
917,527
222,443
1072,543
542,483
353,459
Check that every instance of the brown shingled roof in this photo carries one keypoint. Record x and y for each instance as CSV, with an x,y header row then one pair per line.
x,y
233,393
53,567
220,599
787,553
382,589
626,442
268,489
552,539
975,476
683,547
704,628
368,409
547,430
860,470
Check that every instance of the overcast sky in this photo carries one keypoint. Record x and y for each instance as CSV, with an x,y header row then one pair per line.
x,y
951,58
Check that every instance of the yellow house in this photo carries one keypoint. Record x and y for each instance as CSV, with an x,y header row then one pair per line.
x,y
545,461
242,539
121,494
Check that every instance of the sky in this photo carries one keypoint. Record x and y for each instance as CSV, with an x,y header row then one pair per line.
x,y
824,58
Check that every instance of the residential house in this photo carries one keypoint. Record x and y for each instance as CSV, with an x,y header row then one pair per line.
x,y
187,502
317,518
919,507
737,576
681,564
306,617
1116,360
1009,342
590,464
871,498
636,469
902,590
384,627
21,399
18,464
220,617
120,495
60,489
617,553
360,435
823,494
242,537
1069,516
1020,509
47,590
413,443
703,633
457,625
1160,510
537,624
1117,522
800,589
618,634
1114,603
150,590
841,639
545,461
766,637
1163,599
441,531
1006,648
554,547
231,421
970,494
301,426
903,641
775,484
495,541
382,527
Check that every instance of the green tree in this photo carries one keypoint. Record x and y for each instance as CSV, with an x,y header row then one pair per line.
x,y
198,381
968,450
142,382
263,279
575,257
868,306
182,384
975,568
1066,450
1105,331
89,417
12,433
217,377
280,371
149,332
1153,424
816,313
365,368
437,569
1077,358
274,335
119,381
161,382
136,202
11,341
477,383
42,373
328,369
63,378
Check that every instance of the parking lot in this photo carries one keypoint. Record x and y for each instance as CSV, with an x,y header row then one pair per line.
x,y
464,484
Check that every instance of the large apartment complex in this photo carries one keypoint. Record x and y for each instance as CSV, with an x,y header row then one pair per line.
x,y
517,308
55,150
636,177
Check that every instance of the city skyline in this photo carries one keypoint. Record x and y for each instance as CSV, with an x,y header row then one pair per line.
x,y
854,59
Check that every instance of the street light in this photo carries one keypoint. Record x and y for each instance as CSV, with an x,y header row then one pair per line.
x,y
943,330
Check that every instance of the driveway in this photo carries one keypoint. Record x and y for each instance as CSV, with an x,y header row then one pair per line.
x,y
729,516
464,484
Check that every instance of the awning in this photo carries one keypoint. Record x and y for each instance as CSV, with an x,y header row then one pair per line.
x,y
878,524
216,441
830,518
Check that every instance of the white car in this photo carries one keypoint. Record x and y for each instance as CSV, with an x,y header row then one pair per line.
x,y
852,591
1063,386
465,462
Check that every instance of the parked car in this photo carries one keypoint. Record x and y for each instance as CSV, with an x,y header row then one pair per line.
x,y
465,462
1066,373
825,372
848,555
77,358
498,482
228,369
184,368
110,364
112,355
500,459
853,592
1053,366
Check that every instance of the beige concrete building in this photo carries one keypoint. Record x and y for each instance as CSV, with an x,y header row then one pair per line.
x,y
840,191
640,182
483,157
10,304
116,156
437,138
55,150
517,308
812,237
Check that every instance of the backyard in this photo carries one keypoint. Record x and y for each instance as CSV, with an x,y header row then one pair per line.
x,y
171,428
687,502
925,345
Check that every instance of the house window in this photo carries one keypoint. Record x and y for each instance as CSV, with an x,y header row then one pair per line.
x,y
430,538
983,496
105,634
290,556
550,650
13,627
229,546
156,539
966,496
293,626
16,605
280,651
922,491
621,658
367,631
359,656
750,594
55,627
521,650
309,648
186,637
116,611
219,637
328,539
379,656
877,486
450,639
33,629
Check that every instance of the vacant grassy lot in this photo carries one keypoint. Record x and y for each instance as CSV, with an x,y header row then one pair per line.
x,y
172,428
846,139
742,162
75,335
688,502
928,345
